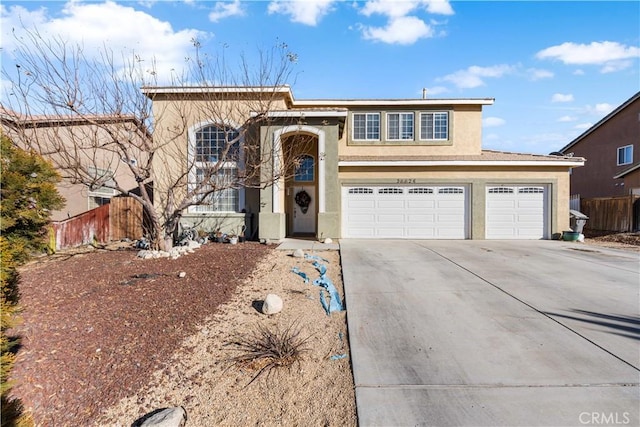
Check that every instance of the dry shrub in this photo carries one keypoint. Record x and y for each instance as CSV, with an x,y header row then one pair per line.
x,y
265,349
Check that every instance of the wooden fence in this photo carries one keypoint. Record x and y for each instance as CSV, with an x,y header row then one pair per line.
x,y
120,219
617,214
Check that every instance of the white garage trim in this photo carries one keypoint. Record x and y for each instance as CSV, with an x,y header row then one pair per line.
x,y
405,212
517,212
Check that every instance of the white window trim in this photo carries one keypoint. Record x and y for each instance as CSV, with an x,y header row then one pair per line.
x,y
400,113
433,112
353,127
193,167
630,155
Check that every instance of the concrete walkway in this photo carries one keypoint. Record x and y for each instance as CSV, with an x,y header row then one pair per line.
x,y
493,333
291,244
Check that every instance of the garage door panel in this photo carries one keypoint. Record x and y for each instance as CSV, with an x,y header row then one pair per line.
x,y
393,219
501,204
362,218
390,204
363,232
362,204
421,204
405,212
530,204
516,212
421,233
424,219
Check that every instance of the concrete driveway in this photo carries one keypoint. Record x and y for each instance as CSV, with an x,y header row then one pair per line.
x,y
493,333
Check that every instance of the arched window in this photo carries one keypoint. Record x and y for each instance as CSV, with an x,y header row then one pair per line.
x,y
305,170
217,159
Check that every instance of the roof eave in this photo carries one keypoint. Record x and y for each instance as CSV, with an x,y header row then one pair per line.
x,y
427,163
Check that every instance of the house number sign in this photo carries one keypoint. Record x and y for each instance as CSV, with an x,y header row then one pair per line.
x,y
405,181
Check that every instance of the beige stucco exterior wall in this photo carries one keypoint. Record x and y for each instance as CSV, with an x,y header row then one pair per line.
x,y
476,180
465,129
175,118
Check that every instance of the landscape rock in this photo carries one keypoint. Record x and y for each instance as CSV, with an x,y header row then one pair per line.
x,y
192,244
272,304
182,274
298,253
166,417
328,240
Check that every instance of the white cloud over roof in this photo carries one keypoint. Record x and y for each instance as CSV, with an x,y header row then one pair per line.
x,y
399,30
303,12
474,76
403,26
561,97
99,26
613,56
226,9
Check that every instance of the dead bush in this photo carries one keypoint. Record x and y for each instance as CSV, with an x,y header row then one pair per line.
x,y
265,349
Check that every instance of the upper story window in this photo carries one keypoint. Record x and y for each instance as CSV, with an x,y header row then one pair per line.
x,y
434,126
366,126
400,126
625,155
217,161
305,169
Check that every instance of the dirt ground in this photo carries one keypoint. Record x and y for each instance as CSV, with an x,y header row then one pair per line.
x,y
627,241
108,337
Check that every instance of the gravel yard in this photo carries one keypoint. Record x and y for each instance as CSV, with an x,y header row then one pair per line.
x,y
108,337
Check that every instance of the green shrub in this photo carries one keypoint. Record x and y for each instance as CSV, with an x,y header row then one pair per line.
x,y
27,196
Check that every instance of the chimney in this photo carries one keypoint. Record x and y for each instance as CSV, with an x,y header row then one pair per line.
x,y
424,93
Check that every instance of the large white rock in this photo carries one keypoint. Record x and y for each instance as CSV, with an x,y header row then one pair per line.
x,y
167,417
298,253
272,304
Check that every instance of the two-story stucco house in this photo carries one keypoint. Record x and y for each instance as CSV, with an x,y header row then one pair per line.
x,y
612,150
369,168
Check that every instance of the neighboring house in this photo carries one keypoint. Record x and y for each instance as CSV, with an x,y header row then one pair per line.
x,y
611,148
54,134
369,168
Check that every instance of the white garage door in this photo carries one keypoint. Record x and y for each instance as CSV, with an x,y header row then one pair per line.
x,y
404,212
516,212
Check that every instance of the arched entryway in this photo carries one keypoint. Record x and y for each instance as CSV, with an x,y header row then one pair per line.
x,y
300,152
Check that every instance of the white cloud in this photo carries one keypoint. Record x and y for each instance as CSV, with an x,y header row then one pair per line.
x,y
402,30
583,126
223,10
441,7
436,90
562,97
121,28
474,76
578,72
538,74
493,122
392,9
402,27
601,109
613,66
565,119
403,8
304,12
612,55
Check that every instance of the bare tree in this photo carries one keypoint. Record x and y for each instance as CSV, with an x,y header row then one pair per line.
x,y
106,111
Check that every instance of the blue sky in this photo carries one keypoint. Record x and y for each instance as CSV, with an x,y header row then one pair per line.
x,y
554,68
